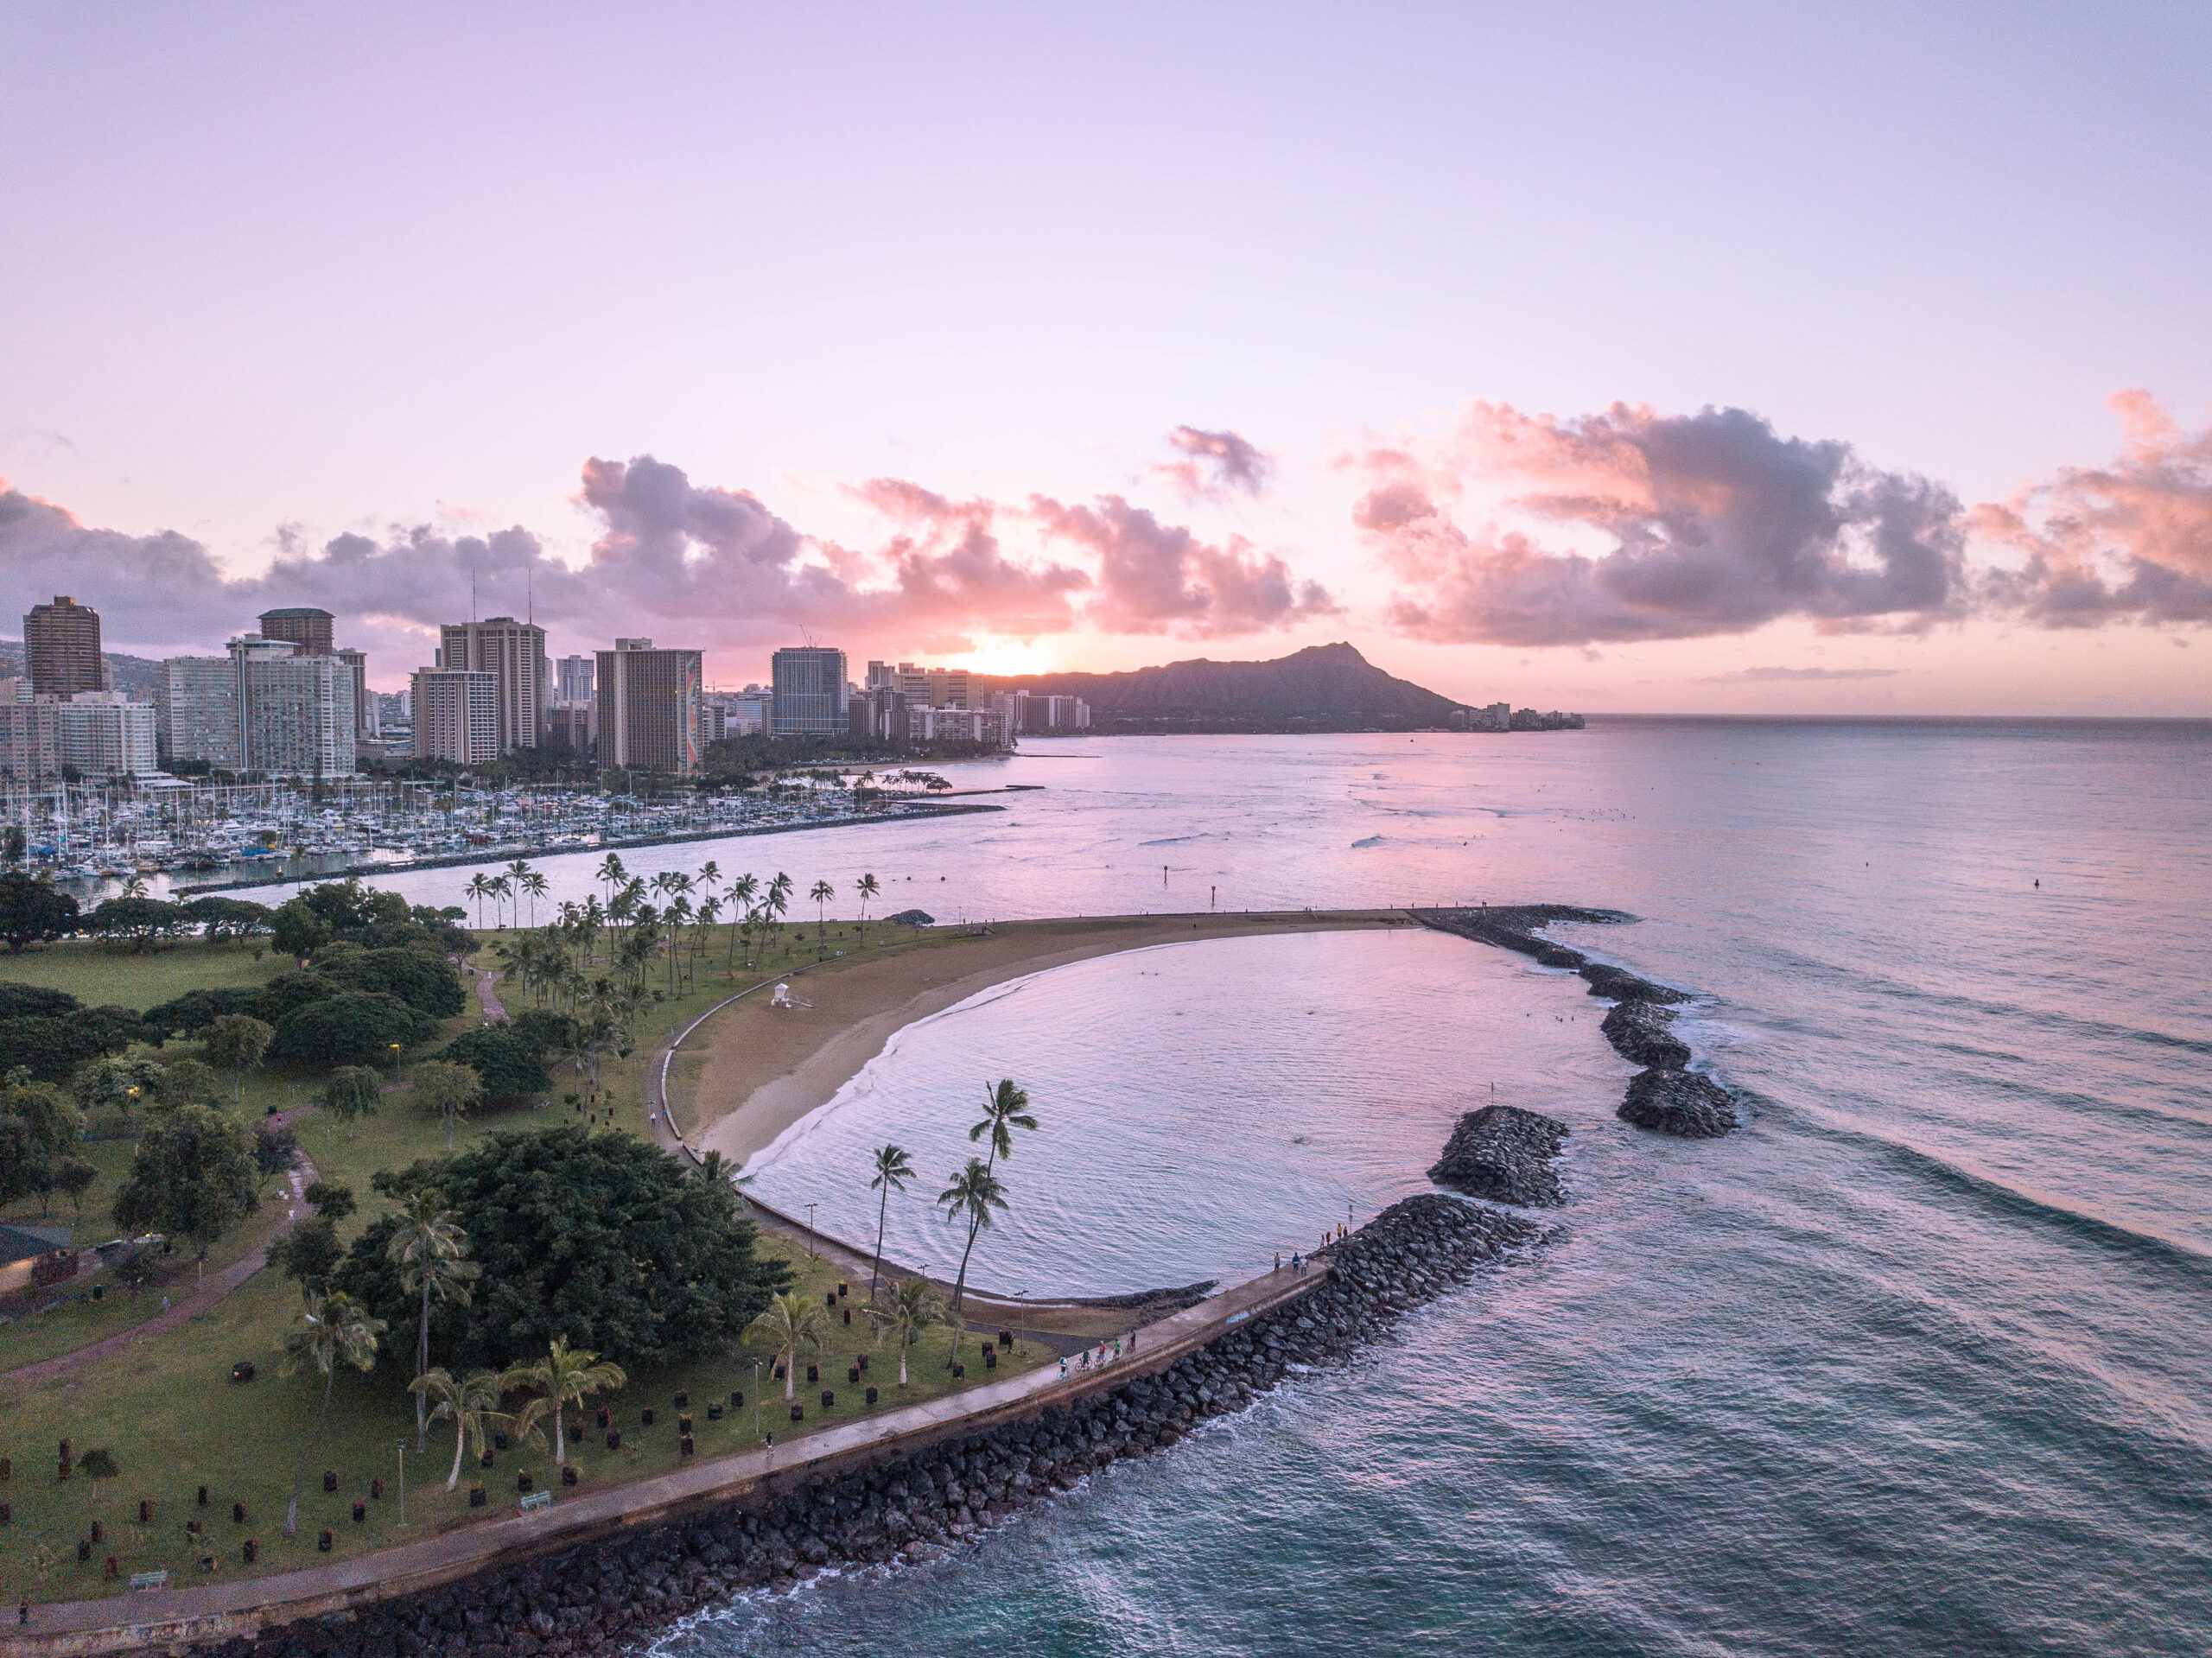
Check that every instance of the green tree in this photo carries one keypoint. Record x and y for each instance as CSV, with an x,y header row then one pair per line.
x,y
974,1192
822,892
193,1177
32,912
351,1093
119,1084
74,1178
914,1307
566,1375
53,1048
140,922
443,1089
505,1063
894,1168
599,1238
330,1200
309,1255
298,929
334,1329
791,1325
353,1028
431,1252
1005,1108
236,1042
478,888
867,888
471,1402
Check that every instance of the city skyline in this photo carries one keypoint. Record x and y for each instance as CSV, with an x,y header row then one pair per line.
x,y
1898,403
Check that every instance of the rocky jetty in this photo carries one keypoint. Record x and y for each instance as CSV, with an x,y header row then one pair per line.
x,y
1663,1096
1684,1102
615,1595
1503,1153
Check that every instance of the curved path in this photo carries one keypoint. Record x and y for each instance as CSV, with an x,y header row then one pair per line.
x,y
205,1294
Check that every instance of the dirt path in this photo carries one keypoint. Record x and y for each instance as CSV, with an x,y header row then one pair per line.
x,y
487,994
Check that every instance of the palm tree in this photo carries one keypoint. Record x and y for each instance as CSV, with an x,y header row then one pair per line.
x,y
893,1171
742,892
566,1375
520,873
912,1308
975,1191
501,890
535,884
778,900
431,1252
470,1402
822,894
611,874
1005,1108
334,1329
792,1325
480,888
868,888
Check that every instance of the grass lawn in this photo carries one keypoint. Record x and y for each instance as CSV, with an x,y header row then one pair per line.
x,y
104,975
173,1420
168,1414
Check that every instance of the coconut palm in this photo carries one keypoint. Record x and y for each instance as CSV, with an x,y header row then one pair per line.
x,y
520,873
777,901
334,1329
536,885
867,889
743,891
470,1400
974,1192
431,1252
893,1170
480,888
566,1375
611,874
822,892
501,889
1005,1108
913,1308
792,1325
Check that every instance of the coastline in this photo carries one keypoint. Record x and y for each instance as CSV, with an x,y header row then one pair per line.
x,y
502,853
767,1069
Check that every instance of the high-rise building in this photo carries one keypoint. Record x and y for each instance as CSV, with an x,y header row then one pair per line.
x,y
572,682
877,715
648,707
926,688
296,712
365,705
568,729
196,712
810,681
515,652
456,714
956,725
104,733
300,625
1027,715
61,648
30,753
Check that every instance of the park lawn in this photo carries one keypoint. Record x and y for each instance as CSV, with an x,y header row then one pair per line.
x,y
111,975
173,1420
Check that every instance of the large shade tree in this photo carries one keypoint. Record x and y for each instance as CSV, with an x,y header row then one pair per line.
x,y
193,1177
599,1239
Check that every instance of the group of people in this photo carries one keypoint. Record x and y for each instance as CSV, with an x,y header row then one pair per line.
x,y
1298,1262
1107,1352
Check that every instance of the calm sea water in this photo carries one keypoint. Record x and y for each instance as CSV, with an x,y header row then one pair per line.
x,y
1916,1363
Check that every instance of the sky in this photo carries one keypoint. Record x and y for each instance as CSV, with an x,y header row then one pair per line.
x,y
1776,359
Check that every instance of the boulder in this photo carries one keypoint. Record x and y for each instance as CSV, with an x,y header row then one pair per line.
x,y
1503,1153
1684,1102
1639,1033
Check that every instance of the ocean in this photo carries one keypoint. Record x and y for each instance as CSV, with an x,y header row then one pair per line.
x,y
1917,1363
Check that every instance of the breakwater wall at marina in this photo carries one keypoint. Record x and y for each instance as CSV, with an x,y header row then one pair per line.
x,y
1666,1095
502,853
608,1582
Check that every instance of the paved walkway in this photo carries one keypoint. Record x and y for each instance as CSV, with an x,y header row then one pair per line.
x,y
205,1294
495,1011
216,1611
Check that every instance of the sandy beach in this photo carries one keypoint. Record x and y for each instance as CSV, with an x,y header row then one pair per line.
x,y
764,1068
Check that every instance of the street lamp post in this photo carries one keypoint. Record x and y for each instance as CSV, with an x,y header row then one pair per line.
x,y
810,1230
402,1482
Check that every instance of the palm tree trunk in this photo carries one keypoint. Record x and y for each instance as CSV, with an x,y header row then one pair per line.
x,y
790,1371
423,1365
960,1285
460,1437
560,1443
300,1474
875,1271
902,1362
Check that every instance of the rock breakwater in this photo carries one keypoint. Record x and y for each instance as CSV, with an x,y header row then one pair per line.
x,y
1664,1096
1503,1153
615,1595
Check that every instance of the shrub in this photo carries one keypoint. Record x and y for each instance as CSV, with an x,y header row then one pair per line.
x,y
99,1463
505,1061
355,1028
599,1238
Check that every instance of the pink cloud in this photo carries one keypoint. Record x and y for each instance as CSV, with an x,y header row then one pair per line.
x,y
1706,523
1212,466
